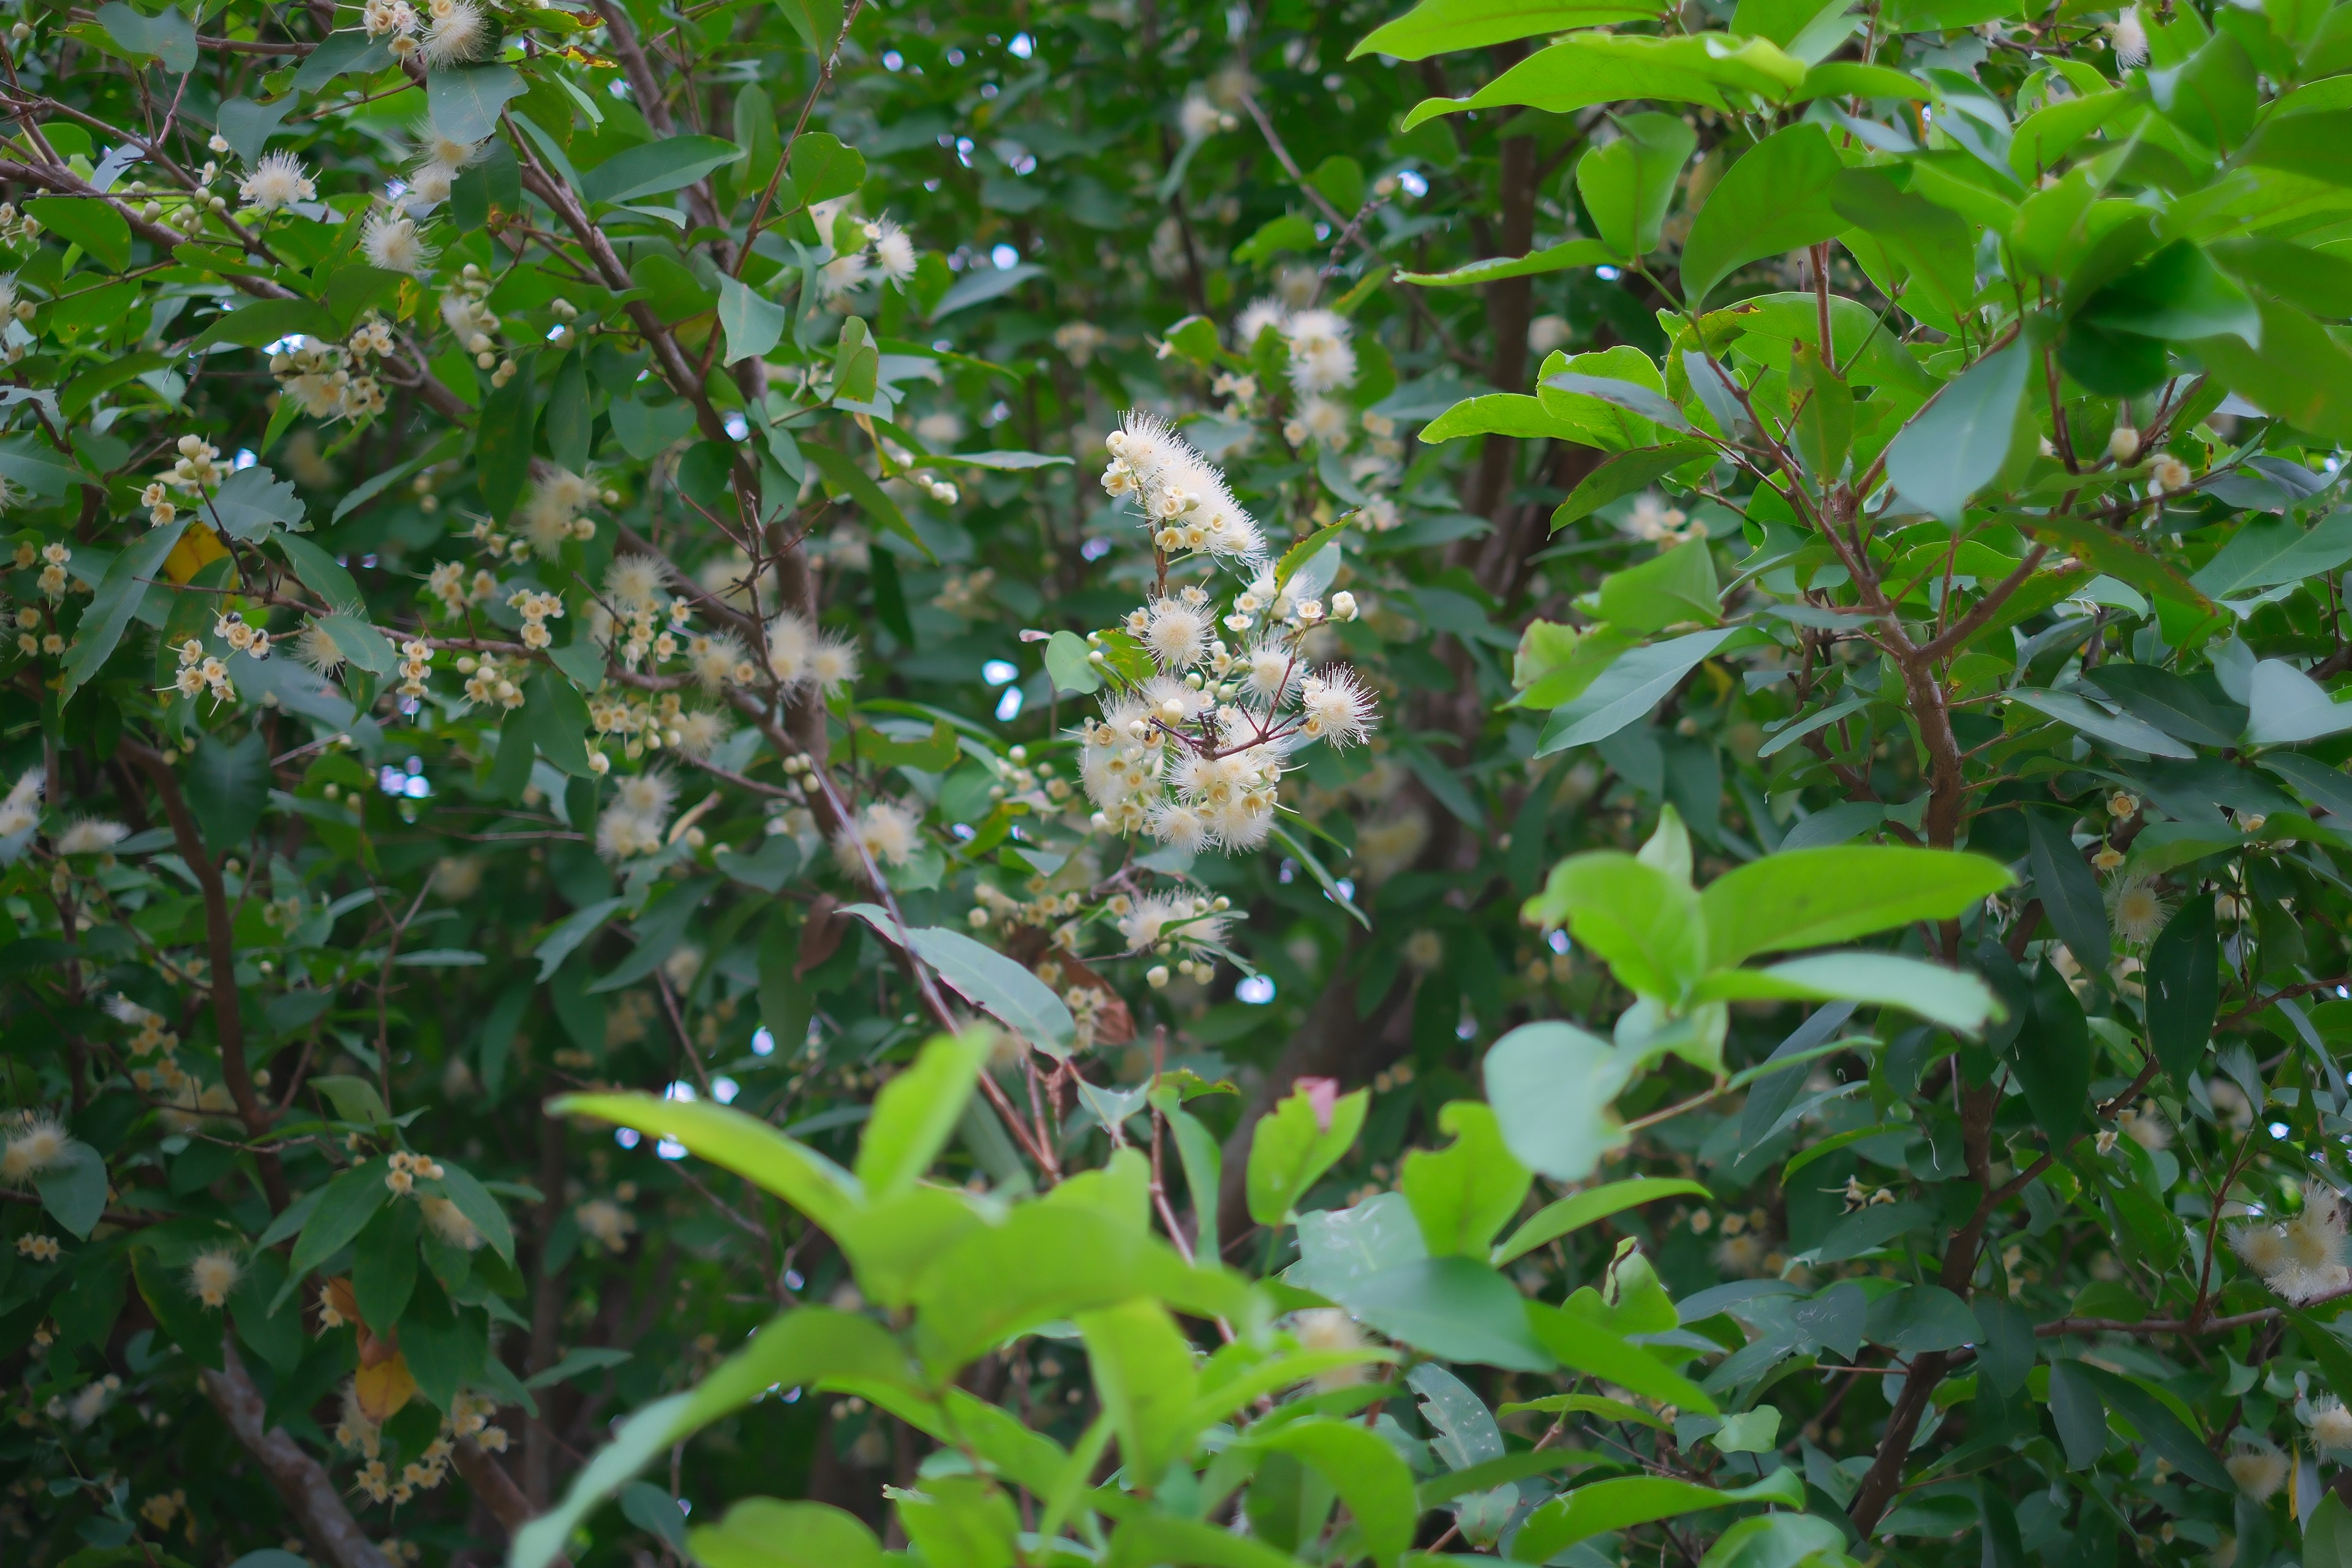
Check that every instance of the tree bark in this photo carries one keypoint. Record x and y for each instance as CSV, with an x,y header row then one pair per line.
x,y
310,1492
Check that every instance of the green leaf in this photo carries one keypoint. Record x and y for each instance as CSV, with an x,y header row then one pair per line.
x,y
354,1099
361,643
1292,1146
197,1329
168,35
2122,730
118,595
916,1112
738,1143
2300,374
1600,1505
1645,924
568,934
1145,1379
88,221
2285,705
502,438
1457,1309
1578,1210
855,363
1957,444
1551,258
2069,891
2052,1058
2176,293
812,1347
1628,184
343,1210
1665,590
1462,1195
765,1533
1626,691
2267,550
464,105
1366,1472
1777,1541
1944,996
475,1202
1642,402
2159,1427
1442,26
1551,1085
1774,200
1930,242
824,169
2184,986
843,476
1586,69
2327,1534
1824,423
384,1265
1067,662
818,22
1000,986
998,462
1623,475
569,422
73,1191
2077,1410
1502,414
31,462
651,168
319,571
228,787
1812,898
1595,1351
2181,708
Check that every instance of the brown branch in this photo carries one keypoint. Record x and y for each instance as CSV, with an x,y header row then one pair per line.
x,y
496,1490
310,1492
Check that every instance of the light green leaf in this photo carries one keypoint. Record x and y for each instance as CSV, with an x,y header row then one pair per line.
x,y
1573,1213
1774,200
1812,898
1625,692
2116,729
2267,550
1628,184
464,105
73,1191
1944,996
1462,1195
1503,413
1551,1085
823,168
651,168
1586,69
1551,258
1677,586
120,594
1067,662
1366,1472
2285,705
1600,1506
1597,1351
1145,1379
916,1112
343,1210
1441,27
1644,922
1957,444
753,325
1777,1541
168,35
738,1143
1457,1309
1292,1146
765,1533
998,985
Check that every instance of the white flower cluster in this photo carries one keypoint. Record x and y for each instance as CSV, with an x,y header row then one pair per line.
x,y
451,33
276,183
1194,752
799,654
331,380
487,681
55,557
1182,923
1185,500
553,513
885,832
631,623
448,582
861,250
635,822
465,312
415,664
440,158
537,608
195,472
2302,1258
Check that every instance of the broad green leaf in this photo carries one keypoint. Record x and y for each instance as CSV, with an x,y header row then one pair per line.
x,y
824,169
998,985
1944,996
1665,590
2285,705
916,1112
1955,446
2327,1534
1292,1145
753,325
2077,1410
343,1210
1777,1541
1462,1195
843,478
2176,293
2051,1056
228,788
2122,730
1144,1378
1067,662
1364,1469
818,22
168,35
1586,69
2069,890
1623,475
120,594
1551,1085
33,463
1626,691
1609,1505
812,1346
651,168
502,440
464,105
1648,926
2184,992
1824,423
319,571
2159,1427
738,1143
565,936
1628,184
1812,898
1930,242
1597,1351
2300,374
1341,1248
1578,1210
1457,1309
358,642
2183,710
475,1202
2267,550
1442,26
1774,200
1551,258
855,363
1502,414
73,1191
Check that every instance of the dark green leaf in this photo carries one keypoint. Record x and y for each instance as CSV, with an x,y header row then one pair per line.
x,y
2069,890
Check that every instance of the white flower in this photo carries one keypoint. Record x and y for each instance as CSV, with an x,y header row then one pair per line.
x,y
459,33
1178,635
2331,1424
1179,825
1321,358
90,835
393,244
1268,673
428,187
2129,36
648,795
2137,909
701,732
314,647
832,664
450,1223
1323,422
1199,119
435,146
884,832
2258,1469
636,582
622,833
1335,707
894,253
213,1274
277,181
1255,319
792,647
714,658
842,275
38,1145
21,808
